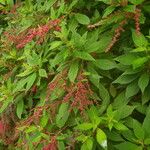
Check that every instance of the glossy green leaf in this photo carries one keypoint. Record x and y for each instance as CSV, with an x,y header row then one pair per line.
x,y
62,115
105,64
42,73
20,108
143,81
127,146
108,11
101,138
132,89
84,55
31,80
139,39
73,71
82,19
84,126
138,130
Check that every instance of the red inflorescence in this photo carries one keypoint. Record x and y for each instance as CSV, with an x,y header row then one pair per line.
x,y
2,128
117,35
52,145
137,20
79,94
38,33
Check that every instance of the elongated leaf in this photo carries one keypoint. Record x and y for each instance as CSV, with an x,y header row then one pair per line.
x,y
84,126
62,115
132,89
128,146
124,59
136,2
84,55
125,79
139,62
73,71
31,80
146,123
20,107
139,39
87,145
83,19
105,64
143,81
101,138
138,130
108,11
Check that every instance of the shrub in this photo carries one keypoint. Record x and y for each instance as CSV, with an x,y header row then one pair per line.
x,y
74,74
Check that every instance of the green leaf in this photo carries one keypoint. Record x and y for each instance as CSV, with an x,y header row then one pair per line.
x,y
138,130
31,129
108,10
81,138
55,44
61,145
136,2
125,79
20,108
143,81
7,102
129,8
139,62
62,115
42,73
3,2
10,3
146,123
82,19
124,59
105,64
112,90
124,112
57,59
139,49
84,126
44,120
73,71
105,1
120,126
120,101
101,138
31,80
87,145
104,94
139,39
20,84
127,146
132,89
84,55
25,73
146,95
92,47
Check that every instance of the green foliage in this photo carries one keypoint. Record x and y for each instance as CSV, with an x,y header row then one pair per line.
x,y
75,74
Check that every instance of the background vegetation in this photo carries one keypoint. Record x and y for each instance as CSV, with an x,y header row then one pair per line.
x,y
74,74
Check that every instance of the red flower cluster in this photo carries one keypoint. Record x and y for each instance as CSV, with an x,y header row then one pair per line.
x,y
39,33
52,145
2,128
117,35
137,20
79,93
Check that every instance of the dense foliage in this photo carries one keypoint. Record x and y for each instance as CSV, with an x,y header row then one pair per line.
x,y
75,74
